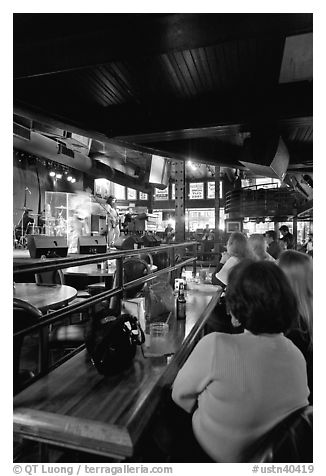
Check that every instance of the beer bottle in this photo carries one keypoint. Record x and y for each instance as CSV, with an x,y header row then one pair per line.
x,y
181,303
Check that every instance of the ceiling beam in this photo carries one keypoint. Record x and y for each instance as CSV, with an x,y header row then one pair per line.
x,y
38,115
130,36
211,132
177,122
242,111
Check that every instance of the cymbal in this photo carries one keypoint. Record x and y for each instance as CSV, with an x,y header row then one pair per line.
x,y
25,209
62,207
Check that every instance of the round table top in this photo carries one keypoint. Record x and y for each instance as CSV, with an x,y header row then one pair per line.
x,y
44,296
93,270
90,270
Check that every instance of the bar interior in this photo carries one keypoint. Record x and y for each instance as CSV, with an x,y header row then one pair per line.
x,y
162,238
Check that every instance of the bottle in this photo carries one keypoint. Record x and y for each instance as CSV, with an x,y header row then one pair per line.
x,y
181,303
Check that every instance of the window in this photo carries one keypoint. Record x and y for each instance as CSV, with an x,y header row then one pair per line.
x,y
143,196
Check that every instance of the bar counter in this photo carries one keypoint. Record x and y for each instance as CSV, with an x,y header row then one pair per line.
x,y
75,407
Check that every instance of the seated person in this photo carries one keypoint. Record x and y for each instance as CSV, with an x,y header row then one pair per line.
x,y
25,221
236,250
238,387
309,245
273,245
169,233
298,269
208,245
258,245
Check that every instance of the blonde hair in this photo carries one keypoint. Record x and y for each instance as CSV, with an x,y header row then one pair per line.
x,y
238,245
298,269
258,246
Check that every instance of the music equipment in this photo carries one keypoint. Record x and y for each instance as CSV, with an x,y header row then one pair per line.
x,y
266,154
129,242
92,244
159,172
25,209
48,246
151,240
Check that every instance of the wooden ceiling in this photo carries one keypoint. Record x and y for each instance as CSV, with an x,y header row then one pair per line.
x,y
184,86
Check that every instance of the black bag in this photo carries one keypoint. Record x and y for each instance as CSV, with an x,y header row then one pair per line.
x,y
112,341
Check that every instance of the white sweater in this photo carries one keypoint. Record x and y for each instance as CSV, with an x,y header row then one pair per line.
x,y
244,384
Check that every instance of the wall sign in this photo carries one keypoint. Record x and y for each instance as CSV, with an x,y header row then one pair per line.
x,y
119,191
210,189
196,191
131,194
162,194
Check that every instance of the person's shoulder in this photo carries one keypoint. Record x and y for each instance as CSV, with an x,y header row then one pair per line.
x,y
232,261
221,340
213,338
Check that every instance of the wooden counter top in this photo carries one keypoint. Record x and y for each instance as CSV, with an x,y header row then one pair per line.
x,y
75,407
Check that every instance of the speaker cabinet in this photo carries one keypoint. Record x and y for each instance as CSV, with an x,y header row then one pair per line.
x,y
266,155
48,246
92,244
151,240
129,242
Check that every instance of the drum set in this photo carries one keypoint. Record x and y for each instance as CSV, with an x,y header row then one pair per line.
x,y
27,225
37,224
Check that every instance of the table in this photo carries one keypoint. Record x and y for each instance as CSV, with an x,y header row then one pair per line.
x,y
75,407
44,297
92,270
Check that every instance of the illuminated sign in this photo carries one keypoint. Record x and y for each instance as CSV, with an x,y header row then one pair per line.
x,y
196,191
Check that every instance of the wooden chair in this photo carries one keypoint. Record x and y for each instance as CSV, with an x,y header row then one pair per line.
x,y
134,268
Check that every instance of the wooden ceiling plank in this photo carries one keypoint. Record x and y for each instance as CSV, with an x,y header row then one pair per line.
x,y
145,34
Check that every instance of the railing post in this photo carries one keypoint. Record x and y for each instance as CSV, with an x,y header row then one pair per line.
x,y
180,195
171,263
217,209
194,267
116,300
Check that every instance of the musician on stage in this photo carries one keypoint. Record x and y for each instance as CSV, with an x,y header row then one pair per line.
x,y
25,221
112,221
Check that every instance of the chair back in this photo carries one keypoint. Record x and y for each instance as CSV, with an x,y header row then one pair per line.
x,y
290,441
24,315
50,277
134,268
